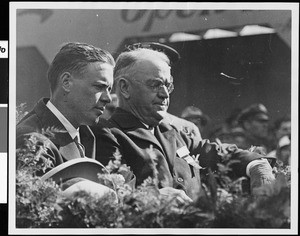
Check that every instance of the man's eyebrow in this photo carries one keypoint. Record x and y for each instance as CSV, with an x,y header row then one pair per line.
x,y
157,79
101,83
162,80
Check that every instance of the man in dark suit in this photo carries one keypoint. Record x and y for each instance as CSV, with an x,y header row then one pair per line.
x,y
152,147
81,78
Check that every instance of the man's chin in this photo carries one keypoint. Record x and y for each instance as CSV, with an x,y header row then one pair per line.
x,y
94,121
156,118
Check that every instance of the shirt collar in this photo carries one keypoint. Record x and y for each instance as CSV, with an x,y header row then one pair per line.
x,y
148,127
69,127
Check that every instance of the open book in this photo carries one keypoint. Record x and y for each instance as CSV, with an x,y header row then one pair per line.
x,y
86,168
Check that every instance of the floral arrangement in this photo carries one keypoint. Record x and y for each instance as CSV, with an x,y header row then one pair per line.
x,y
225,204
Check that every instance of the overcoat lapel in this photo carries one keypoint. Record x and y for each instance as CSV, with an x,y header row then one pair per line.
x,y
146,135
133,127
166,136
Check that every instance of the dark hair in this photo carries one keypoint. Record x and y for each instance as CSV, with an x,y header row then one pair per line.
x,y
74,57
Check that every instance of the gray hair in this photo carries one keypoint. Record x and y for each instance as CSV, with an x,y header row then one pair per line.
x,y
127,60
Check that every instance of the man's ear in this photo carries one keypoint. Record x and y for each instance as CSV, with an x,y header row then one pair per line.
x,y
124,87
66,81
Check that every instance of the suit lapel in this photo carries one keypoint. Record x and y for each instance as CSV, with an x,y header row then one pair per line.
x,y
66,145
69,151
57,133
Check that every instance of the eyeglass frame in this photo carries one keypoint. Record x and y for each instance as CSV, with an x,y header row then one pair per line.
x,y
155,89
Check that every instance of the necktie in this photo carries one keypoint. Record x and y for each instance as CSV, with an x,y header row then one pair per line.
x,y
151,128
156,131
79,146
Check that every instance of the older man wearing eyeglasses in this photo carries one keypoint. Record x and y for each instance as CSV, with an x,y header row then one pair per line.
x,y
153,147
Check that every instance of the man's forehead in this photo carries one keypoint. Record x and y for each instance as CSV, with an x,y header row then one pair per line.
x,y
151,66
103,74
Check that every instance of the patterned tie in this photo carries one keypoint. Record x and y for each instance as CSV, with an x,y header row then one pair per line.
x,y
79,146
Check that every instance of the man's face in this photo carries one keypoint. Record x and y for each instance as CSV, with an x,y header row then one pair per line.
x,y
284,154
284,129
258,127
89,93
149,99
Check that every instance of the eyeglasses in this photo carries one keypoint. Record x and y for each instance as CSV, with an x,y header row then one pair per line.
x,y
170,52
155,85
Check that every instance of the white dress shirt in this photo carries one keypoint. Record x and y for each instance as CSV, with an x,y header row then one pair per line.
x,y
69,127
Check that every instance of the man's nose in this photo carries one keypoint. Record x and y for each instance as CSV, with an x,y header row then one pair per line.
x,y
106,97
163,92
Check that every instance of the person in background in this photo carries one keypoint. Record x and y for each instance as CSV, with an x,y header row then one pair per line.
x,y
195,115
234,135
154,148
230,131
254,120
110,107
283,152
282,127
282,136
80,78
231,121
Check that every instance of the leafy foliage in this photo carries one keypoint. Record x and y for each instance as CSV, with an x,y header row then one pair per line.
x,y
30,156
20,112
224,203
36,201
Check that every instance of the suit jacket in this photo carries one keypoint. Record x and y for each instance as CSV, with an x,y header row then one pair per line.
x,y
124,134
45,126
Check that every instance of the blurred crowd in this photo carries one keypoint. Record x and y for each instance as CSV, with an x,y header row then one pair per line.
x,y
252,126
